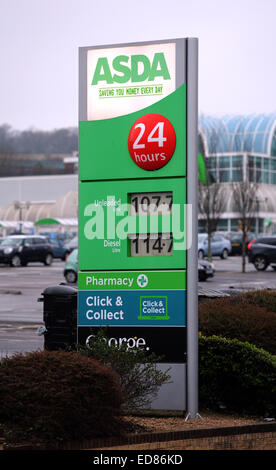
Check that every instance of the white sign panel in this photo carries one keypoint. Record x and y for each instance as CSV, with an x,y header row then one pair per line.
x,y
123,80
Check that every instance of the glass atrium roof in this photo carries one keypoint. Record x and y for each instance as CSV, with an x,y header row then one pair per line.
x,y
255,133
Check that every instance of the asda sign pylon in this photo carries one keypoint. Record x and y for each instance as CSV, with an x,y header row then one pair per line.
x,y
138,176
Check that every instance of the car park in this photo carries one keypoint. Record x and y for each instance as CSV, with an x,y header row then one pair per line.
x,y
262,252
220,246
71,267
205,270
19,250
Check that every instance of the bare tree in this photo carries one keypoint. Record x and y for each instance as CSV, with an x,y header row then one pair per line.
x,y
246,204
245,192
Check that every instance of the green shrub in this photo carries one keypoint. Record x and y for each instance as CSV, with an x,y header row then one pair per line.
x,y
50,395
139,374
237,375
248,317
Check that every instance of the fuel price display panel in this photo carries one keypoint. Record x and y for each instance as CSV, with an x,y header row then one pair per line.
x,y
154,203
154,244
142,224
151,204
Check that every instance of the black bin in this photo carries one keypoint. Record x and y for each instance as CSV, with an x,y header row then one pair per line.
x,y
60,317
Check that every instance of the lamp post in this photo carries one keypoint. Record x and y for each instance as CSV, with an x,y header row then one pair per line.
x,y
18,205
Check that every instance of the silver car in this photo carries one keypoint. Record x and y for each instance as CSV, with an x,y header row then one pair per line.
x,y
220,246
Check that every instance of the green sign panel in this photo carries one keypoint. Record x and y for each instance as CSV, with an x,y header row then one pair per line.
x,y
103,144
137,224
132,280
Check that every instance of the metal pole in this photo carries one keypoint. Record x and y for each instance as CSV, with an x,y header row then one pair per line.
x,y
192,257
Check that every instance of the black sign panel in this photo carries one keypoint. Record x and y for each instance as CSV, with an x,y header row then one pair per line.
x,y
168,343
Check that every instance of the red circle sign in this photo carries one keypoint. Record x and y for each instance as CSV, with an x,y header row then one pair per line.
x,y
151,141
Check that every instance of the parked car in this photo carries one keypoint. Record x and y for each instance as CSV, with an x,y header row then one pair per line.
x,y
59,250
262,253
236,241
205,270
19,250
220,246
71,245
71,267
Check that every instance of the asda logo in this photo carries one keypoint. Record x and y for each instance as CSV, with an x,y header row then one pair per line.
x,y
134,68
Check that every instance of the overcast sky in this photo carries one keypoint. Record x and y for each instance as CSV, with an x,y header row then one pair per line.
x,y
40,39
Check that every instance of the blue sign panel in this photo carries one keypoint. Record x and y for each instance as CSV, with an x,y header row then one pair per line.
x,y
132,308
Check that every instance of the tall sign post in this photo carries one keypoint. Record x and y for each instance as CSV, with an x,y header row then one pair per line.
x,y
192,252
138,200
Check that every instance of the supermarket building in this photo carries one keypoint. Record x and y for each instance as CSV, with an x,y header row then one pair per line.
x,y
242,148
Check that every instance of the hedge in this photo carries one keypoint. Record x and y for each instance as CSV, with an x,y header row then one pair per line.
x,y
248,317
236,375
